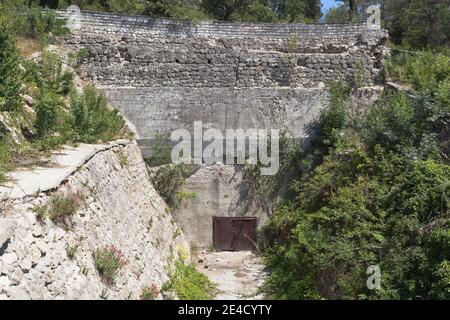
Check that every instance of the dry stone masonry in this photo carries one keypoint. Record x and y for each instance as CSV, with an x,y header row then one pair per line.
x,y
120,207
164,74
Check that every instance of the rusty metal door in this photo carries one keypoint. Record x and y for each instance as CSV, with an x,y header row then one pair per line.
x,y
234,233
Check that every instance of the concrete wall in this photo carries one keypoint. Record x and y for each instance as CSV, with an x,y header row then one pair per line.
x,y
154,111
219,192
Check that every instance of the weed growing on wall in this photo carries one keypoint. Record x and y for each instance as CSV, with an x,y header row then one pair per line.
x,y
60,209
168,181
108,262
150,293
71,250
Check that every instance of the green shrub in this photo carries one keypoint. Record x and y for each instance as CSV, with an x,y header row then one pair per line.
x,y
333,119
118,6
92,120
185,195
175,9
123,159
33,22
350,214
267,191
60,209
168,181
41,212
255,12
10,73
71,250
423,69
108,262
82,54
188,284
48,106
48,74
160,151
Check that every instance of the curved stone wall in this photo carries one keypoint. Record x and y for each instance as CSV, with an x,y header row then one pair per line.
x,y
166,71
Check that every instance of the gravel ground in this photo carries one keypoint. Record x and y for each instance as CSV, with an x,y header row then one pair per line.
x,y
238,275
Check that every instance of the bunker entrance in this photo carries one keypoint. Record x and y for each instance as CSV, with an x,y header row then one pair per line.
x,y
234,233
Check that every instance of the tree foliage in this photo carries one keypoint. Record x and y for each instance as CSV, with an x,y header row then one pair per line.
x,y
377,195
229,10
418,23
411,23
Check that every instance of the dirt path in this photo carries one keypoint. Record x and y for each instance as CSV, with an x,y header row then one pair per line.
x,y
238,275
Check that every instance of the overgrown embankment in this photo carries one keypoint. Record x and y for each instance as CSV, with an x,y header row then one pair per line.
x,y
43,105
373,190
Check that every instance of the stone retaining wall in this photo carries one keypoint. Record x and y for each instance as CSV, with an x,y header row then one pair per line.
x,y
119,207
162,73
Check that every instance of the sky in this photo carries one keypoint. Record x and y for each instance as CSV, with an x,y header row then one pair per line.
x,y
327,4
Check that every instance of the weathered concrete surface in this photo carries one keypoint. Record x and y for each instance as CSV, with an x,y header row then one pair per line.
x,y
219,192
157,111
62,165
237,275
119,206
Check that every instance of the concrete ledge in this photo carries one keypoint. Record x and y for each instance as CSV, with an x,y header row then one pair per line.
x,y
64,163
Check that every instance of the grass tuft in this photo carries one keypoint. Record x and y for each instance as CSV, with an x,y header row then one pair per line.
x,y
108,262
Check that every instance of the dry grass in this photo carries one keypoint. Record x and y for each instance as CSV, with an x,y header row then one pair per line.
x,y
27,47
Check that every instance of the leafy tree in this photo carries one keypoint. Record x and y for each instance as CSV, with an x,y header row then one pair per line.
x,y
176,9
292,10
419,23
120,6
337,15
255,12
225,9
313,9
355,9
264,10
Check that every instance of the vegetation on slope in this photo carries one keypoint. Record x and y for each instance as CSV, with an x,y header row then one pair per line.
x,y
40,108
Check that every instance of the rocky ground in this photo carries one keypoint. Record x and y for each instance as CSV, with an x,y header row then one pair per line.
x,y
238,275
